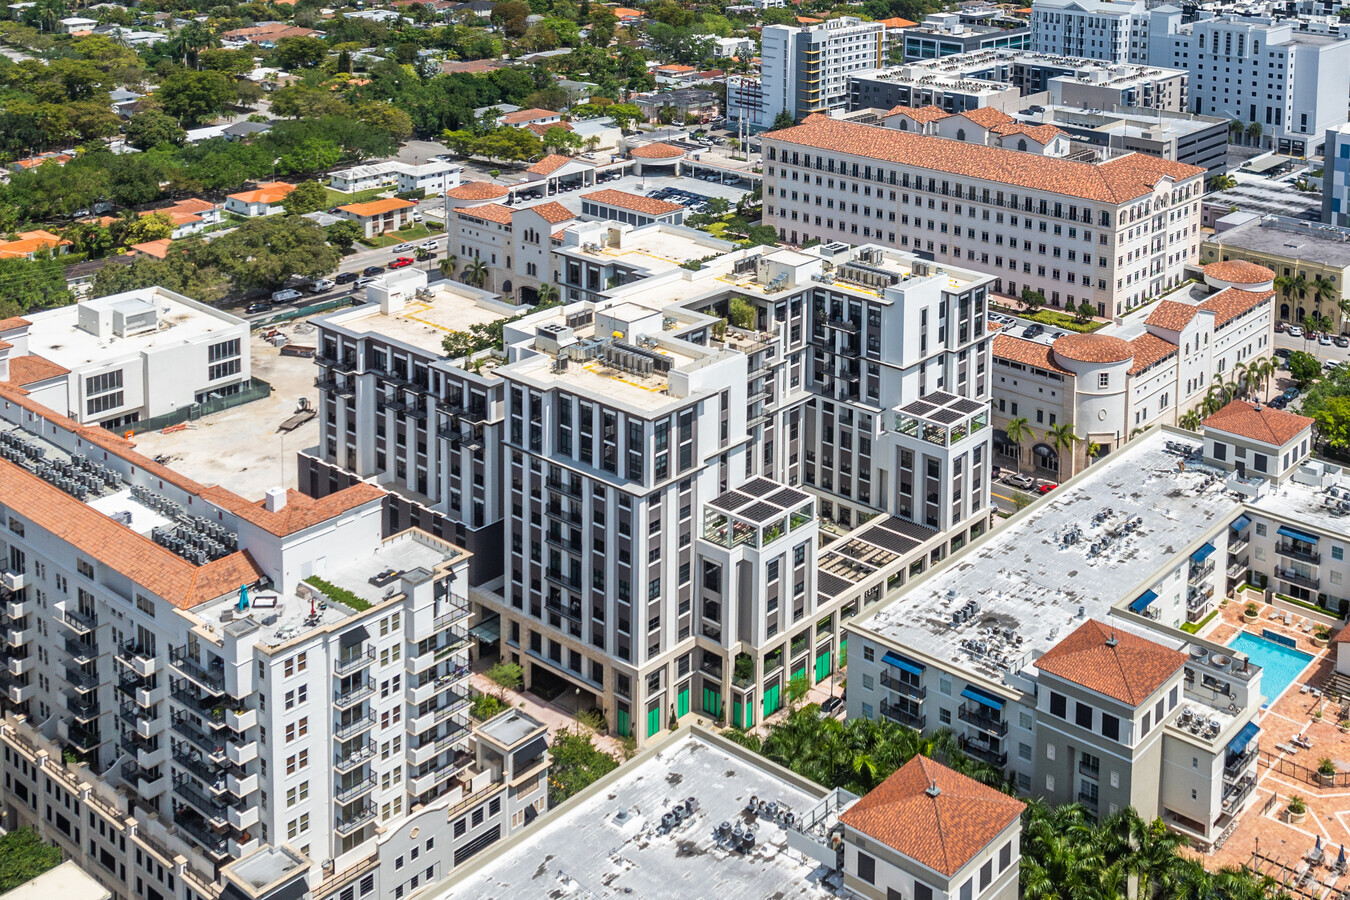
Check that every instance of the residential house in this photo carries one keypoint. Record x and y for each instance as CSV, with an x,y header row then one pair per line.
x,y
378,216
29,243
264,200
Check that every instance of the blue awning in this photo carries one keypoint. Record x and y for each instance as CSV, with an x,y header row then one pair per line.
x,y
1203,553
900,662
1143,601
1240,523
1243,738
982,698
1297,535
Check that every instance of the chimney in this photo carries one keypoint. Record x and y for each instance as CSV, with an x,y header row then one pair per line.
x,y
275,499
933,790
1112,641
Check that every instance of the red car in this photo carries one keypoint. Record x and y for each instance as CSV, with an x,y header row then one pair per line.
x,y
401,262
1047,488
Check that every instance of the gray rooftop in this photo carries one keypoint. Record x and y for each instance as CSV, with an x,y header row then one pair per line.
x,y
1326,244
510,728
605,843
1269,197
1026,578
1316,495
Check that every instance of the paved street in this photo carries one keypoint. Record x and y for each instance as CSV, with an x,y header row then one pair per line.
x,y
1297,343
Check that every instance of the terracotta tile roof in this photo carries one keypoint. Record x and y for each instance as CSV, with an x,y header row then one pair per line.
x,y
527,115
272,192
675,68
541,128
158,249
1092,348
1115,181
1150,349
1171,315
1239,271
623,12
933,815
553,212
31,369
1265,424
1232,302
377,207
921,114
274,32
897,22
1041,134
634,202
488,212
31,242
190,205
1111,662
12,323
1029,353
477,190
549,164
301,510
656,151
472,66
987,116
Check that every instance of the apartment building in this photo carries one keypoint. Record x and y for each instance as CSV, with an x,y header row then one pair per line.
x,y
805,69
1149,367
190,669
949,34
926,831
1288,247
1187,138
1289,83
1093,29
1113,234
684,490
1336,177
116,360
1083,687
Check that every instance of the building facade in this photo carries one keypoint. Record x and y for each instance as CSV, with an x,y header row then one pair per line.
x,y
805,69
1094,29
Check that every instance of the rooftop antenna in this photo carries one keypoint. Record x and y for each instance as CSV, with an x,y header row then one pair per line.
x,y
1112,641
933,790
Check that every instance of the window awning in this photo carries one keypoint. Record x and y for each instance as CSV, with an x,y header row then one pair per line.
x,y
1045,450
1243,738
1297,535
353,637
1001,438
1203,553
1143,601
982,698
900,662
488,630
1240,523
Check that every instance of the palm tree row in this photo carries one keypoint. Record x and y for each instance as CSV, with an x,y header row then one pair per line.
x,y
1061,437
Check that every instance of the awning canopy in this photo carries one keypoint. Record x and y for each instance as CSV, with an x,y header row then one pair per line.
x,y
1143,601
982,698
1045,450
353,637
1297,535
488,630
1240,523
1001,438
1203,553
902,663
1243,738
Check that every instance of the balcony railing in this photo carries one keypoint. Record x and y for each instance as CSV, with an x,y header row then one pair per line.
x,y
976,715
914,692
211,678
353,728
345,825
1295,578
1234,766
211,744
1293,551
200,832
353,695
80,623
903,716
82,681
346,760
1088,769
1087,799
81,652
344,795
984,752
351,662
84,738
1200,572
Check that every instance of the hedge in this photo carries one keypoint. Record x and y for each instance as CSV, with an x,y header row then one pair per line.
x,y
337,594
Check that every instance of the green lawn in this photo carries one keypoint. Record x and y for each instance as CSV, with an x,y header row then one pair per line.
x,y
337,198
416,233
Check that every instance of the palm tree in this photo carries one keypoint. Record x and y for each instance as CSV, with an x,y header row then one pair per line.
x,y
546,295
448,264
1323,289
1191,420
1292,286
1222,183
1018,430
476,272
1062,438
1093,450
1254,131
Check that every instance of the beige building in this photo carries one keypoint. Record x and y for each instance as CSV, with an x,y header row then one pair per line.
x,y
1115,234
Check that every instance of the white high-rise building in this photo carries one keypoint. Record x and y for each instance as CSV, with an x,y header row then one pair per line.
x,y
1090,29
806,69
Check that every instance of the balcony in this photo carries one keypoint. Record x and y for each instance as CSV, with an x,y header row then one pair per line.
x,y
16,636
357,693
349,730
358,755
1234,794
454,613
903,716
557,486
433,717
1198,573
975,714
210,678
1234,766
346,794
13,581
429,749
212,745
451,641
84,738
79,622
351,662
135,657
424,692
18,607
1238,544
1295,551
19,662
80,653
913,692
242,816
185,758
147,782
81,709
1088,799
203,836
434,778
555,576
1089,770
212,810
353,821
1299,579
984,752
84,682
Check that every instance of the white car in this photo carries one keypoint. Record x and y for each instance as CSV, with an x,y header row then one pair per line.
x,y
1324,340
403,248
430,245
1295,331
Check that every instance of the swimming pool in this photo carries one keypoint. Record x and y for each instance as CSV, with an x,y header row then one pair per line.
x,y
1280,665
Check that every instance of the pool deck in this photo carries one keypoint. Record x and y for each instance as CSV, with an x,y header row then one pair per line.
x,y
1263,840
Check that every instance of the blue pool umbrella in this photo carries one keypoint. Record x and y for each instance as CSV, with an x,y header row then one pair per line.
x,y
243,597
1318,845
1340,860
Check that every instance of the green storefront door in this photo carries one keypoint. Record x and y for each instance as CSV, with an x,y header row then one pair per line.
x,y
843,652
712,702
682,702
800,673
743,716
653,720
623,723
770,701
822,667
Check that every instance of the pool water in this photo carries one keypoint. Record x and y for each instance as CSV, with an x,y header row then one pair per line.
x,y
1280,665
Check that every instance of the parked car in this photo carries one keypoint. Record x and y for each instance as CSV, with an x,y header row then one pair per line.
x,y
289,295
1279,403
1341,341
261,306
1047,488
362,282
1033,330
1291,395
1324,340
321,285
832,705
347,277
1295,331
1283,352
372,270
403,248
401,262
416,216
1025,482
431,244
1281,327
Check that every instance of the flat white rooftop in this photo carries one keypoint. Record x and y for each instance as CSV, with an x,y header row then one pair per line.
x,y
1307,497
426,323
1137,507
56,335
67,881
606,845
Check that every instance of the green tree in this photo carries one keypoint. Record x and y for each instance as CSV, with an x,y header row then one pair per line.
x,y
301,52
1084,313
195,97
140,229
307,197
576,763
344,234
151,128
507,676
625,115
32,284
311,155
344,61
1063,439
783,120
264,253
23,857
1333,422
764,235
235,63
476,272
741,313
1019,431
89,238
1304,367
1032,300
